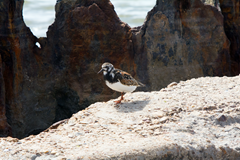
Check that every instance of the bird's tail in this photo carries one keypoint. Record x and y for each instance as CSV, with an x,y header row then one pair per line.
x,y
141,85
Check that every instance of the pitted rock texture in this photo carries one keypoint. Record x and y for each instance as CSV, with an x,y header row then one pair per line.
x,y
193,119
181,40
18,62
51,83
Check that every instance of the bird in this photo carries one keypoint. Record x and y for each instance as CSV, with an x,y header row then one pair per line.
x,y
119,80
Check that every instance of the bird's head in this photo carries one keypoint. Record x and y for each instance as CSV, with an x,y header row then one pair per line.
x,y
106,67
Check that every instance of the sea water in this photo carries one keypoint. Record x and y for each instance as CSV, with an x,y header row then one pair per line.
x,y
38,15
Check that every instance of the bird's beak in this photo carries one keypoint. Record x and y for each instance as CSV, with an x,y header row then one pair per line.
x,y
100,71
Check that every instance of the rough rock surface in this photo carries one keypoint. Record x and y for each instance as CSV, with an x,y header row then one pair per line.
x,y
5,129
231,12
195,119
18,63
51,83
181,40
39,86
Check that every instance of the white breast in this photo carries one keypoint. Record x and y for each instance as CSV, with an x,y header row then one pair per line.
x,y
120,87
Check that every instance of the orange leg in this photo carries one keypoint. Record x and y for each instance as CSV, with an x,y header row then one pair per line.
x,y
119,101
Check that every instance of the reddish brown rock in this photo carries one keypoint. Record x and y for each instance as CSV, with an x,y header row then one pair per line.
x,y
231,12
181,40
47,84
88,35
19,64
5,129
82,37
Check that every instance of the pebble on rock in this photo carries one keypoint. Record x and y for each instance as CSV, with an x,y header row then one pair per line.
x,y
222,118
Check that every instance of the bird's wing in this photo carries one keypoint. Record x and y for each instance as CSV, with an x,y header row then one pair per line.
x,y
126,78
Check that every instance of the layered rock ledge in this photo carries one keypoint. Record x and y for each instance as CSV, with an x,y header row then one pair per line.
x,y
193,119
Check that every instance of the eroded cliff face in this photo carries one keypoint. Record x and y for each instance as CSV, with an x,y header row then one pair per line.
x,y
47,84
39,86
18,62
182,40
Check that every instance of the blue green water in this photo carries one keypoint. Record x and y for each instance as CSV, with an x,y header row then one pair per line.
x,y
38,15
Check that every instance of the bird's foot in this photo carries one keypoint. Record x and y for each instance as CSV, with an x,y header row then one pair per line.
x,y
118,102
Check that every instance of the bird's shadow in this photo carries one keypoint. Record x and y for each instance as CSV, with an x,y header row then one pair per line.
x,y
134,106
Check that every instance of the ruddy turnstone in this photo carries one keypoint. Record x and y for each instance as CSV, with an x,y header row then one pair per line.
x,y
119,80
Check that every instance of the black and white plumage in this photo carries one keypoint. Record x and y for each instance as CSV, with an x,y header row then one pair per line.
x,y
119,80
